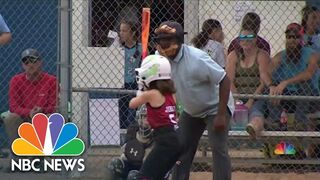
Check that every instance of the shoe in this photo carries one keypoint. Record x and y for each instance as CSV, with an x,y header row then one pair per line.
x,y
251,131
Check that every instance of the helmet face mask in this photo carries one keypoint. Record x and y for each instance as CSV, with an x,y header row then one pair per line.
x,y
153,67
145,131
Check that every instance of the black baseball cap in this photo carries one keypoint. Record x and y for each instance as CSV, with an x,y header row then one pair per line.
x,y
168,30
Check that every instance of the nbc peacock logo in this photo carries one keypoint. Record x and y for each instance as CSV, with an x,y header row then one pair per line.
x,y
48,137
284,148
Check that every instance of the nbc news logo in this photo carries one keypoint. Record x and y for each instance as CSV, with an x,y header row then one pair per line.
x,y
48,137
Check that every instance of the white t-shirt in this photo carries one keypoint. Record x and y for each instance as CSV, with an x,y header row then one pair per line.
x,y
215,51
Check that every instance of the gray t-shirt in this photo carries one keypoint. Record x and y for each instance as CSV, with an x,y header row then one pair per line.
x,y
197,77
215,51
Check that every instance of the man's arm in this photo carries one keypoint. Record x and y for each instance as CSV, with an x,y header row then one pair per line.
x,y
5,34
5,38
301,77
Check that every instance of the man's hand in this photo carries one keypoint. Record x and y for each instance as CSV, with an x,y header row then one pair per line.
x,y
279,89
34,111
272,92
220,123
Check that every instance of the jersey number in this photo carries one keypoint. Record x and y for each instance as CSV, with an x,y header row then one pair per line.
x,y
172,118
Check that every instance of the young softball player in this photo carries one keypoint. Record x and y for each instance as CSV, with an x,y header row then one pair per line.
x,y
157,92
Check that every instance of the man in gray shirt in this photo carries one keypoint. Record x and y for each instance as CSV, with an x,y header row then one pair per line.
x,y
204,92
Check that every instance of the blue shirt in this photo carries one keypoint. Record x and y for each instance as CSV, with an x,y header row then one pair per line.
x,y
196,77
312,41
3,26
132,61
288,69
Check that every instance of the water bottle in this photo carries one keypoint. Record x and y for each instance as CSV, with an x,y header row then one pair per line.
x,y
240,117
284,120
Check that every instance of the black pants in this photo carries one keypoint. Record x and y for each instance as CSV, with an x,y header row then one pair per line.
x,y
163,156
190,131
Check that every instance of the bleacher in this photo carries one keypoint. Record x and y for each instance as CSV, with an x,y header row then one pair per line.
x,y
253,154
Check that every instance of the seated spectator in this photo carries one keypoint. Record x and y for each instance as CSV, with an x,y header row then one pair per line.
x,y
310,24
210,40
246,68
30,92
5,34
292,71
254,20
311,37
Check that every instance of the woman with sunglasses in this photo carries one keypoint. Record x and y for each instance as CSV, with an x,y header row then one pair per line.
x,y
246,68
210,40
253,21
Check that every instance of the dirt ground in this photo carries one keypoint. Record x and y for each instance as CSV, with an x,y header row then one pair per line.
x,y
259,176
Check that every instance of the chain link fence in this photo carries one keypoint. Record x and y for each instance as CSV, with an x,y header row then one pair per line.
x,y
99,80
91,48
33,24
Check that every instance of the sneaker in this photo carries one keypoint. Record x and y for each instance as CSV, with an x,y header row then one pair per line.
x,y
251,131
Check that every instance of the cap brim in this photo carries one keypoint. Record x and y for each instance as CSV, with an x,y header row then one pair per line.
x,y
30,56
164,36
296,31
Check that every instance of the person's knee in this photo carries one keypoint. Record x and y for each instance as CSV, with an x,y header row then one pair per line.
x,y
10,118
134,175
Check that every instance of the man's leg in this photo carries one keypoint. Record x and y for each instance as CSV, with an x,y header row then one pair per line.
x,y
190,130
12,123
219,146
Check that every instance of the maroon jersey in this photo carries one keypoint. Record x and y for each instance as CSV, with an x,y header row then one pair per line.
x,y
163,115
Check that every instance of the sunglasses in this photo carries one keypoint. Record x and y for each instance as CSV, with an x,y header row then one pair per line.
x,y
292,36
27,60
247,37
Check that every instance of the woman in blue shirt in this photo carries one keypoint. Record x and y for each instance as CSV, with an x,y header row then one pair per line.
x,y
132,48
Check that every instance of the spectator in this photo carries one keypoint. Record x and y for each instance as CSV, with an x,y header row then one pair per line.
x,y
246,68
292,70
310,23
132,51
5,38
204,92
252,20
311,37
210,40
5,34
30,92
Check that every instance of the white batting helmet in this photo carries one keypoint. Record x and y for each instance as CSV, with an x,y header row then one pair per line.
x,y
153,67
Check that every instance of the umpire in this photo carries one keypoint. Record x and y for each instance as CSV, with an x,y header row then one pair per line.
x,y
204,91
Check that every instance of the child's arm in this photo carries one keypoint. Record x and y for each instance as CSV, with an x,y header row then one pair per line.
x,y
143,98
